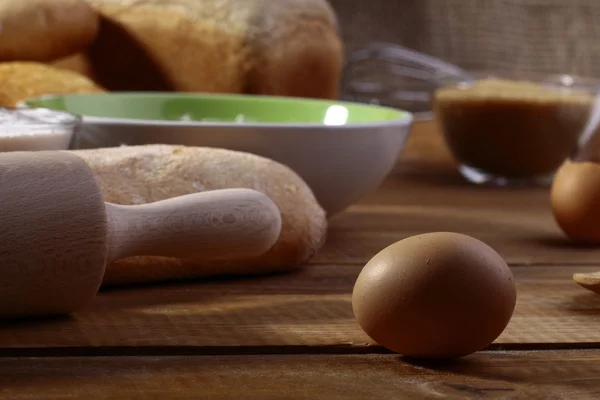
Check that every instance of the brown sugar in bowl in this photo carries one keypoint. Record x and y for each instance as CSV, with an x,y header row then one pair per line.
x,y
503,131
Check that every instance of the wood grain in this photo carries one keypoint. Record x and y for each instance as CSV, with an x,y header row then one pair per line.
x,y
294,336
288,313
517,223
489,375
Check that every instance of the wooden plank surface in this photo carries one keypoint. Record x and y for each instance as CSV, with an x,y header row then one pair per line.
x,y
312,307
493,375
205,331
518,223
291,312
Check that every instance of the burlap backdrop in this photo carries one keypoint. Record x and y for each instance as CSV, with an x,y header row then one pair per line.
x,y
553,36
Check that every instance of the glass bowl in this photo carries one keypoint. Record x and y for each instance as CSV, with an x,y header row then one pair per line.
x,y
505,130
40,129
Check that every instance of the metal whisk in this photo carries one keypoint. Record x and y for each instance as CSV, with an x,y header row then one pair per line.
x,y
392,75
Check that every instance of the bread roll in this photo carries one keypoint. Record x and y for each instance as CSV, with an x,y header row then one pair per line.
x,y
277,47
44,30
143,174
22,80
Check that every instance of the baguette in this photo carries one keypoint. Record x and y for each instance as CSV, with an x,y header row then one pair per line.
x,y
276,47
148,173
22,80
45,30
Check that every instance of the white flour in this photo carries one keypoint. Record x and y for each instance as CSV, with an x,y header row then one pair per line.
x,y
35,129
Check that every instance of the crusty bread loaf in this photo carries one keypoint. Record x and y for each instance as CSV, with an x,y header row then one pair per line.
x,y
44,30
143,174
22,80
278,47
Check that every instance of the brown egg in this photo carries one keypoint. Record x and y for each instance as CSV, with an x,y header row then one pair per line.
x,y
575,199
436,295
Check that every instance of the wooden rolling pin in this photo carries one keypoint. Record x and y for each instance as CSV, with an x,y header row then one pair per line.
x,y
57,234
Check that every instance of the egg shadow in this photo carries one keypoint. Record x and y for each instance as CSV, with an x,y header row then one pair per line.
x,y
467,362
457,373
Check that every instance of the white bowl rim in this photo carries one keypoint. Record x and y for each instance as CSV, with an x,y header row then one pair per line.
x,y
405,119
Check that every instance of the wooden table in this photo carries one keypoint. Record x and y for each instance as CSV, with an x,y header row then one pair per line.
x,y
293,336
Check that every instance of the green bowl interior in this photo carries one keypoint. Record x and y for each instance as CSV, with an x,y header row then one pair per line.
x,y
218,108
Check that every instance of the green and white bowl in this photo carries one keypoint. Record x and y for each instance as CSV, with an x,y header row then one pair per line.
x,y
342,150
